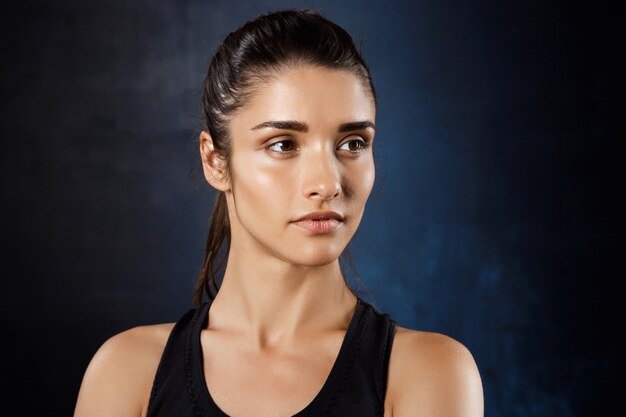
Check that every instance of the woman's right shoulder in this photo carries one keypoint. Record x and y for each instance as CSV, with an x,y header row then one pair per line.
x,y
119,377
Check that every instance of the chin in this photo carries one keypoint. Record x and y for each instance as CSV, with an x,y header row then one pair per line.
x,y
317,254
316,262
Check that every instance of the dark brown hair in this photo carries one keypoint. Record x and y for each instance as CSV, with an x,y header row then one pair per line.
x,y
249,57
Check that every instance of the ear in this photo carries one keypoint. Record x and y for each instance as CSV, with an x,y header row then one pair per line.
x,y
213,164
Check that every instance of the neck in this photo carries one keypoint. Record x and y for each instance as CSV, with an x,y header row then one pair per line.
x,y
270,302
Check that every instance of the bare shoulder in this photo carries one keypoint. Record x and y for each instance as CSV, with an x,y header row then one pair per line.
x,y
433,374
119,377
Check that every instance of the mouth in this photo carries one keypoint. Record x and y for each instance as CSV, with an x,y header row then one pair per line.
x,y
319,226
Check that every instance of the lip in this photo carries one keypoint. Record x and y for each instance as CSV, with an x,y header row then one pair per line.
x,y
319,226
316,215
320,221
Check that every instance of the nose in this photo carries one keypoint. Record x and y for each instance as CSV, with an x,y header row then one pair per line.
x,y
321,176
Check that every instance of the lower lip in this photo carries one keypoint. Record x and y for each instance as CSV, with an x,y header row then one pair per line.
x,y
319,226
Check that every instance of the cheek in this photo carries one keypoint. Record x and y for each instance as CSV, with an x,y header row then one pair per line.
x,y
362,179
266,188
370,176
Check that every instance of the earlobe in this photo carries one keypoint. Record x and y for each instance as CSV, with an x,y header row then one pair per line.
x,y
212,163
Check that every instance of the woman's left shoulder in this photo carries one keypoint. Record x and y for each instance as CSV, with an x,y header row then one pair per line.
x,y
432,373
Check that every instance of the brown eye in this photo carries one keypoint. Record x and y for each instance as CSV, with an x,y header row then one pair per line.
x,y
358,145
284,149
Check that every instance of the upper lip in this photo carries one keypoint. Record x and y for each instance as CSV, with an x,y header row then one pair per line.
x,y
315,215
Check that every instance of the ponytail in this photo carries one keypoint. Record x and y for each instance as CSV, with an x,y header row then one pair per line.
x,y
219,231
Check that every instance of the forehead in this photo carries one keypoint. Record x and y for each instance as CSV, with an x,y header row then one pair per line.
x,y
321,97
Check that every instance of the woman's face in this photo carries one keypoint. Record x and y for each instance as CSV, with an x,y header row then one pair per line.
x,y
282,173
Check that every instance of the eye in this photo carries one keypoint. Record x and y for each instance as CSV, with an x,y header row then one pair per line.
x,y
286,146
281,143
362,145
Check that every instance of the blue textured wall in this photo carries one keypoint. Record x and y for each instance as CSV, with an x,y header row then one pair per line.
x,y
491,219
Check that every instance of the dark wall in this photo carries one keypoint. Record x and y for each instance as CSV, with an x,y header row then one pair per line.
x,y
492,219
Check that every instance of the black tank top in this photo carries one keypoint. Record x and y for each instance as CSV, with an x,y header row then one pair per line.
x,y
356,385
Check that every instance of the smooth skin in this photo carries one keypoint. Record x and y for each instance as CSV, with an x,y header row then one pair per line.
x,y
278,321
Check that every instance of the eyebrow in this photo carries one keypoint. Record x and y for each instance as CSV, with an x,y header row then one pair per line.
x,y
303,127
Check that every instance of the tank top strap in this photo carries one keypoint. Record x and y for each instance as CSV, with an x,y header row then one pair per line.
x,y
361,390
169,389
377,342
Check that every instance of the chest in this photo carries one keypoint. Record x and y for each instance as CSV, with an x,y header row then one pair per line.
x,y
245,383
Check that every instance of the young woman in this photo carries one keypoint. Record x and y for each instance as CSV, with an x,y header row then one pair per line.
x,y
290,113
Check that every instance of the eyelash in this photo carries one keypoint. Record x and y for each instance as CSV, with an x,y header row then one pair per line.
x,y
364,144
